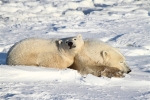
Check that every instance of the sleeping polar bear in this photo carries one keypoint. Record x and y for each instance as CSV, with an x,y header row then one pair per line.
x,y
45,52
100,59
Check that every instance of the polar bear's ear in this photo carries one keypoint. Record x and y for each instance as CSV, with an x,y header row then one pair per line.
x,y
104,55
59,41
79,36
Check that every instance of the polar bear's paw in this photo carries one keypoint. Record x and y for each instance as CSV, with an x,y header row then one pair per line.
x,y
112,72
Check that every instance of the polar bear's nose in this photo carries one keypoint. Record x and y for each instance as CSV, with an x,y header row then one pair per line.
x,y
129,71
70,44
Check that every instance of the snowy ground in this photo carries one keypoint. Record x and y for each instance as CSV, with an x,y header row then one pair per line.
x,y
125,24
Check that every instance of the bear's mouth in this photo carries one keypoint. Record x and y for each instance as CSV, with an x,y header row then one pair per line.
x,y
73,46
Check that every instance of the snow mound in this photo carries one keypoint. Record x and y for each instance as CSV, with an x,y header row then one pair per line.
x,y
34,74
31,73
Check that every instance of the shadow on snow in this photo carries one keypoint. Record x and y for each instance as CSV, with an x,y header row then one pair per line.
x,y
3,58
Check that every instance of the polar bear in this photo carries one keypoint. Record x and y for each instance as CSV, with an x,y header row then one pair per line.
x,y
45,52
100,59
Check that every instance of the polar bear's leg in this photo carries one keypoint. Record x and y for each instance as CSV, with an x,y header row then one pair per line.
x,y
112,72
52,60
99,71
106,71
30,60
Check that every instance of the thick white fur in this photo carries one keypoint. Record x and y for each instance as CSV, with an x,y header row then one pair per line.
x,y
96,54
45,52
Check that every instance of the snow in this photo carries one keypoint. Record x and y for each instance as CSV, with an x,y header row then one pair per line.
x,y
124,24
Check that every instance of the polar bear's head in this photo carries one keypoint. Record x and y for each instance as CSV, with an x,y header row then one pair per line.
x,y
72,44
114,58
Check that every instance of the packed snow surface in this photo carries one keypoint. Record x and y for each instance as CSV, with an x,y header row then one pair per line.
x,y
124,24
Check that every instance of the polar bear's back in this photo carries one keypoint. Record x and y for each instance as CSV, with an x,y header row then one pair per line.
x,y
26,51
91,44
37,45
92,49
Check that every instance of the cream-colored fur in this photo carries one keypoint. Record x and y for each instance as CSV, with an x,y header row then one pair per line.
x,y
45,52
95,55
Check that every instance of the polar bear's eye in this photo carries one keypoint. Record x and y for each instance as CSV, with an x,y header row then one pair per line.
x,y
75,39
66,41
121,62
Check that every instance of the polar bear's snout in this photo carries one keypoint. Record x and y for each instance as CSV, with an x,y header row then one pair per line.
x,y
129,71
71,45
126,69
